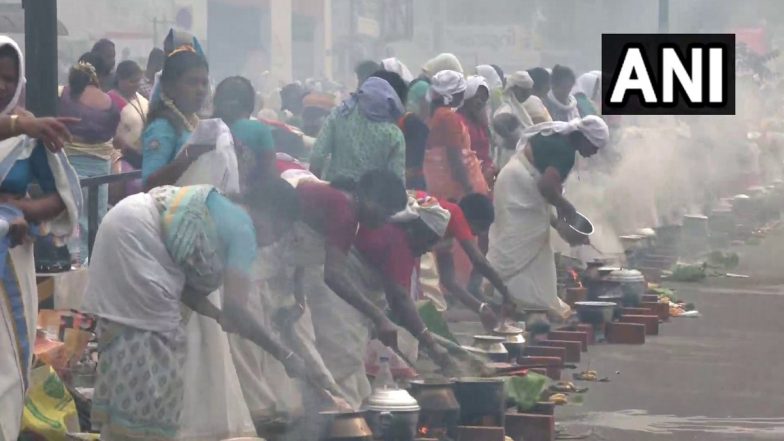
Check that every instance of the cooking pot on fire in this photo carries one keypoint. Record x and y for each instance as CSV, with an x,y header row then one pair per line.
x,y
392,414
514,340
346,426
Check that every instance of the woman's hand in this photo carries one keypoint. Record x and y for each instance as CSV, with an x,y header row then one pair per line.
x,y
566,211
487,317
53,132
17,231
386,332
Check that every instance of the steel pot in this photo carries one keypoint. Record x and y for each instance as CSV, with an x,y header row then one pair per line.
x,y
630,284
514,339
392,414
595,313
492,346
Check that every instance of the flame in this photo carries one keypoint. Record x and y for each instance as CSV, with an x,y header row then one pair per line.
x,y
423,430
575,277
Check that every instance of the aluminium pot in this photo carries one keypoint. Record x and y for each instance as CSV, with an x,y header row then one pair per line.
x,y
492,346
514,339
345,426
392,414
629,285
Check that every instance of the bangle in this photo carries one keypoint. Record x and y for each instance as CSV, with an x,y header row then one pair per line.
x,y
482,307
291,354
422,334
187,158
13,125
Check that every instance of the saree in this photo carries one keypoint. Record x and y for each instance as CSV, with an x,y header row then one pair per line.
x,y
447,131
18,290
520,248
209,368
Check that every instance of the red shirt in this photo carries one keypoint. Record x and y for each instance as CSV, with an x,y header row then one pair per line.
x,y
458,227
284,164
388,250
330,212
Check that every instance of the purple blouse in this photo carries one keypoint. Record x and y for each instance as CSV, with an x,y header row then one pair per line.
x,y
96,126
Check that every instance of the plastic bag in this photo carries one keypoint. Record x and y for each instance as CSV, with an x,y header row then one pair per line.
x,y
50,410
218,167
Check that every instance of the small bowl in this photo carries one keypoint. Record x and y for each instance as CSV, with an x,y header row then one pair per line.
x,y
582,225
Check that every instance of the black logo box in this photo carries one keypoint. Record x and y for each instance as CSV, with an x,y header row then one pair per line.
x,y
614,46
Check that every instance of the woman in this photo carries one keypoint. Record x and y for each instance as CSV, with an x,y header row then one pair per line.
x,y
183,243
133,116
169,159
495,83
23,161
534,105
234,102
587,92
320,250
444,61
530,183
91,150
517,91
316,107
415,131
560,102
172,119
451,168
361,135
473,113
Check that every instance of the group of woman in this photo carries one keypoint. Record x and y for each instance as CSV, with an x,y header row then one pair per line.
x,y
238,268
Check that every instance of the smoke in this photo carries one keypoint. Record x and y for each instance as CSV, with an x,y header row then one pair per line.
x,y
659,169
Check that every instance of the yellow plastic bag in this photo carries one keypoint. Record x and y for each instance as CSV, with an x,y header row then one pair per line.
x,y
50,411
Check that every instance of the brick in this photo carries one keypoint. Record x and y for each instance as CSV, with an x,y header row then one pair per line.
x,y
575,295
545,351
651,322
661,309
542,408
476,433
573,348
625,333
582,337
638,311
588,329
530,427
552,365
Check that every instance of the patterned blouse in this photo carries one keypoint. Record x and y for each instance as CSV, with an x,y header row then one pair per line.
x,y
354,145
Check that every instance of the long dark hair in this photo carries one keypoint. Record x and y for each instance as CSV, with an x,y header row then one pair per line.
x,y
234,99
174,68
79,77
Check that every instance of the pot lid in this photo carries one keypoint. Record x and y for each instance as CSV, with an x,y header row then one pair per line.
x,y
646,232
507,329
391,400
695,217
632,237
626,275
489,338
742,196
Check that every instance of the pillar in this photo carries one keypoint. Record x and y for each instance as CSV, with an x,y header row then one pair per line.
x,y
327,39
280,41
41,56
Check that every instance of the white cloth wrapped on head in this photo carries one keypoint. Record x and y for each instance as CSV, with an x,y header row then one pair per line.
x,y
446,84
397,66
473,83
428,210
488,72
521,79
592,127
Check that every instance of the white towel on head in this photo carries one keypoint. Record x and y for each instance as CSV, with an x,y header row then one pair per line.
x,y
446,84
593,127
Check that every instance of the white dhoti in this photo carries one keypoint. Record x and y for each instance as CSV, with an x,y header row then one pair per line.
x,y
520,248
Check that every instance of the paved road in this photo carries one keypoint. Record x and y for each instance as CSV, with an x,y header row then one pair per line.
x,y
717,377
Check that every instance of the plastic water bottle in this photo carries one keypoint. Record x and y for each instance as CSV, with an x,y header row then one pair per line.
x,y
384,379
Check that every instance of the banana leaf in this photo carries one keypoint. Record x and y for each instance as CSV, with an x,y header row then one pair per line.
x,y
524,392
434,320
